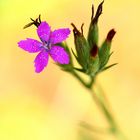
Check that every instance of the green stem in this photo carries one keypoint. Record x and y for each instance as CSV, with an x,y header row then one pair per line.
x,y
102,95
114,129
79,78
92,79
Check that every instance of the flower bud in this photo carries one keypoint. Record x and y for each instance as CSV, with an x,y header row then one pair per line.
x,y
110,35
82,47
104,52
94,61
94,51
93,29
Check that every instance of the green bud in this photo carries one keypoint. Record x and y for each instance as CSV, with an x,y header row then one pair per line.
x,y
82,47
94,61
104,51
93,33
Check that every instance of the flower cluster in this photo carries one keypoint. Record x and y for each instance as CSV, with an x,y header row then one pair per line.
x,y
89,55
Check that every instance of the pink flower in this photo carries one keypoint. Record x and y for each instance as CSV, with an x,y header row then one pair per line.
x,y
47,46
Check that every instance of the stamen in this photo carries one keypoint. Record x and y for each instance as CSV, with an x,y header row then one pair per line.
x,y
47,45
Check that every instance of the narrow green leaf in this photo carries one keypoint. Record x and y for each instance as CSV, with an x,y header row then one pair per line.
x,y
80,70
109,66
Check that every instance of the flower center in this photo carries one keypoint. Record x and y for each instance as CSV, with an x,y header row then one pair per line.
x,y
47,45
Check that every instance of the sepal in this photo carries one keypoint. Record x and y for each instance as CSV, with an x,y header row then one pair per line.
x,y
82,47
104,51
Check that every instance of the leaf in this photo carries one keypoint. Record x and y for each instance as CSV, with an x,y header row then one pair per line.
x,y
74,54
109,66
80,70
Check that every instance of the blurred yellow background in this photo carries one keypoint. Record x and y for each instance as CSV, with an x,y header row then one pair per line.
x,y
48,106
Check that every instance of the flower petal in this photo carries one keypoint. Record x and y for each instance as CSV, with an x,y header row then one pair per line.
x,y
43,31
30,45
41,61
59,55
59,35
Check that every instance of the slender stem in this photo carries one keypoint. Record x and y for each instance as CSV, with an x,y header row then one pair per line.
x,y
103,95
92,79
87,85
79,78
114,129
104,109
